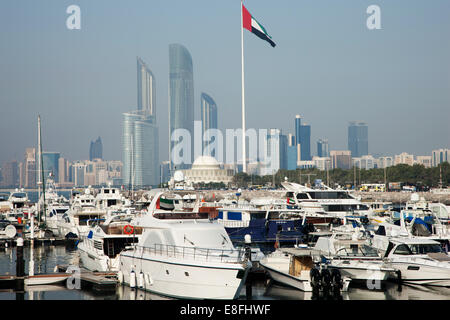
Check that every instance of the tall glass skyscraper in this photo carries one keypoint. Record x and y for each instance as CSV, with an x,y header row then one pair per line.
x,y
305,141
323,149
140,136
208,110
146,91
140,149
358,139
50,163
96,149
181,95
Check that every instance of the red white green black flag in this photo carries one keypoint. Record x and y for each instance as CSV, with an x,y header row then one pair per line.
x,y
250,23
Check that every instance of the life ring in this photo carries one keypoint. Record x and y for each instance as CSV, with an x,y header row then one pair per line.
x,y
128,229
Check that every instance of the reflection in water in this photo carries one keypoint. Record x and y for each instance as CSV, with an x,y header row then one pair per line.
x,y
47,257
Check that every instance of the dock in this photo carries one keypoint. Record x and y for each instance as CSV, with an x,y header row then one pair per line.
x,y
96,281
52,241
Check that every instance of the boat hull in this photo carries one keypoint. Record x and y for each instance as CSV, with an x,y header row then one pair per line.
x,y
423,274
181,279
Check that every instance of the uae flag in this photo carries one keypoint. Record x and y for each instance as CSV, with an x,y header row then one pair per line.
x,y
250,23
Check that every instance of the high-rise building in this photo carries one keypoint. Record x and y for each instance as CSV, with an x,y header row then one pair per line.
x,y
366,162
271,154
298,124
323,150
384,162
10,174
30,168
146,88
358,138
305,142
291,157
283,152
50,163
439,156
181,97
208,110
291,140
96,149
404,158
140,144
341,159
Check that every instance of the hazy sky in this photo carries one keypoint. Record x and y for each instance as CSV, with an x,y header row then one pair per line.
x,y
327,66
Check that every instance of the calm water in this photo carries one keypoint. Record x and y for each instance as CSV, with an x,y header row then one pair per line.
x,y
46,257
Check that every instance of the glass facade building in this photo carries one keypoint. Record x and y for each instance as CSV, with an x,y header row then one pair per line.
x,y
358,139
50,164
140,149
181,95
208,110
305,142
96,149
323,148
146,91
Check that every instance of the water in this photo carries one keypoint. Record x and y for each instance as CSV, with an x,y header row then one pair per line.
x,y
47,257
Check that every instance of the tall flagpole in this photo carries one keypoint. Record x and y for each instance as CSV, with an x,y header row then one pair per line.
x,y
244,160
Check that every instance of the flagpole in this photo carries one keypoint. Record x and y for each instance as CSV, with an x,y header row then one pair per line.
x,y
244,160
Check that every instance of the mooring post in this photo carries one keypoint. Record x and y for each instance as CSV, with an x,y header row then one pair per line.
x,y
248,254
20,265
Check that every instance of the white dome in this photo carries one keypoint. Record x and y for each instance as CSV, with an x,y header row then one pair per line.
x,y
205,162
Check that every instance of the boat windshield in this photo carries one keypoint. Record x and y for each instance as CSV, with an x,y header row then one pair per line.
x,y
19,195
425,248
358,250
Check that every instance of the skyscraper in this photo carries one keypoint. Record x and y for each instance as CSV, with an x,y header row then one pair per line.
x,y
30,168
323,149
305,142
146,91
140,149
298,124
50,163
208,110
96,149
140,135
181,96
358,138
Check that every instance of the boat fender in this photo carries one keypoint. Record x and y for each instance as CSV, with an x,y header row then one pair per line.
x,y
336,279
120,277
325,278
141,280
148,280
132,279
315,278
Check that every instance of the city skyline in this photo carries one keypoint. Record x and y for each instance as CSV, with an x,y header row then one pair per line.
x,y
72,78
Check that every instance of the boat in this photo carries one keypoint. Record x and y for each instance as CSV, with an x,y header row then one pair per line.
x,y
352,255
46,279
100,248
337,203
296,267
184,258
83,213
419,261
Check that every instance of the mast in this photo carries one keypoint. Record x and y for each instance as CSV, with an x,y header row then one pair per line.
x,y
39,182
244,160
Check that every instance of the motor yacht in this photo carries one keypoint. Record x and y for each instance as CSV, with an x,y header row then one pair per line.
x,y
419,261
183,258
100,248
352,255
296,267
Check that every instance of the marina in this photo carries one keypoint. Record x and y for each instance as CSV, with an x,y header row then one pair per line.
x,y
181,244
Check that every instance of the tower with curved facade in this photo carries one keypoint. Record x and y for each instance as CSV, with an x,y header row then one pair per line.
x,y
146,92
181,96
208,110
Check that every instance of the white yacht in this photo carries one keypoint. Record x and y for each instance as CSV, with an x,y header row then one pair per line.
x,y
419,261
55,206
184,258
100,248
354,257
109,198
295,267
338,203
82,214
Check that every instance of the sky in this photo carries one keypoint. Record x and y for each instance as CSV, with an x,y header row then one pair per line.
x,y
327,66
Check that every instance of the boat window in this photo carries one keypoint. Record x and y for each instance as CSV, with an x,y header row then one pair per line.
x,y
381,231
425,248
402,250
106,191
302,196
369,251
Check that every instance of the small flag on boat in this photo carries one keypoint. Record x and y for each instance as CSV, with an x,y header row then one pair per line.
x,y
250,23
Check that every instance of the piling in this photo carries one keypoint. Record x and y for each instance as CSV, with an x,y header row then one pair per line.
x,y
20,265
249,280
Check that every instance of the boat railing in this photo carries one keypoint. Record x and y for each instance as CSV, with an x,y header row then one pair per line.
x,y
195,253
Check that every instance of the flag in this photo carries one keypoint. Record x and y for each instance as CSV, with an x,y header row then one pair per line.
x,y
250,23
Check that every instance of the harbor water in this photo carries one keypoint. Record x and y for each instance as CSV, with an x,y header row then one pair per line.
x,y
46,257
